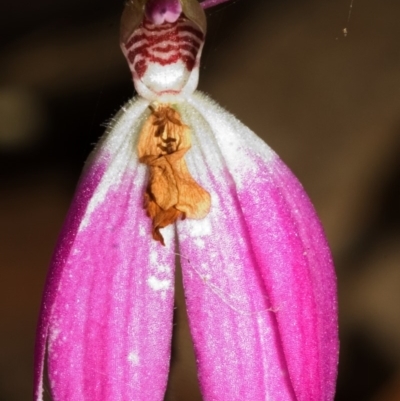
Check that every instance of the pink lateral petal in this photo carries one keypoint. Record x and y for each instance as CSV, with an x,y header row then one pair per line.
x,y
258,274
84,192
298,274
107,311
232,322
211,3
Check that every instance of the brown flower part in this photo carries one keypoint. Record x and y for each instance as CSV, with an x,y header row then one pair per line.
x,y
171,192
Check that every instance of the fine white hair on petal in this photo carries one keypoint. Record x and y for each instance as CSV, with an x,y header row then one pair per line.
x,y
117,150
158,285
53,335
133,357
200,228
221,147
234,139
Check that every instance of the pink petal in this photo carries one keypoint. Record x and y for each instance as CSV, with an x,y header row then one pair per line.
x,y
258,275
211,3
107,311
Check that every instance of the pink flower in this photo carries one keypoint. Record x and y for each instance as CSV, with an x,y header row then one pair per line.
x,y
257,271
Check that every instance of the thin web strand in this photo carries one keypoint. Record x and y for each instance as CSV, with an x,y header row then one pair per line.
x,y
345,30
350,10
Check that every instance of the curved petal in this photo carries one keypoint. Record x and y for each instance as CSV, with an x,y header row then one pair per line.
x,y
107,309
258,275
211,3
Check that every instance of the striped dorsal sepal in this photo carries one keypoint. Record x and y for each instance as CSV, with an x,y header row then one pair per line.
x,y
164,59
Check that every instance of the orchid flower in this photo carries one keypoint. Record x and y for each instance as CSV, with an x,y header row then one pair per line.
x,y
177,174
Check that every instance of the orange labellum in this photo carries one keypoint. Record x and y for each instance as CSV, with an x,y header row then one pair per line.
x,y
172,192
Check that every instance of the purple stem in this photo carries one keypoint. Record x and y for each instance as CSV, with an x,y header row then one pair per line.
x,y
211,3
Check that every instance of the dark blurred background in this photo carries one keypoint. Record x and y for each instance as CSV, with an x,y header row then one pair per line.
x,y
321,88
